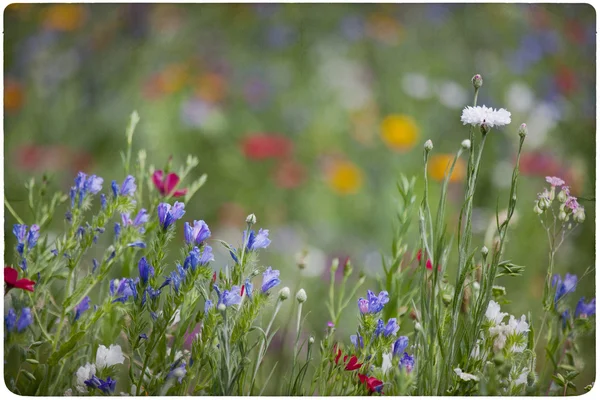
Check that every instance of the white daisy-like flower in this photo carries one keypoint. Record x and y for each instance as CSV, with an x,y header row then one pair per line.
x,y
108,357
465,376
493,313
485,115
83,374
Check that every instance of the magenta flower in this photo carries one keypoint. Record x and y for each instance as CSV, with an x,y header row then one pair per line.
x,y
554,181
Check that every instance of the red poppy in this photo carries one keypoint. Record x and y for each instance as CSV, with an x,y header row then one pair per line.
x,y
11,281
374,384
166,185
353,364
264,146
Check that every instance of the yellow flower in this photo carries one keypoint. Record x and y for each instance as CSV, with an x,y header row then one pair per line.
x,y
344,177
64,17
438,163
399,132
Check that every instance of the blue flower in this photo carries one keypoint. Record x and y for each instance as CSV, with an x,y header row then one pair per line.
x,y
141,217
115,188
10,321
379,328
20,231
128,187
137,243
146,270
399,346
117,230
80,232
34,235
196,234
584,310
207,255
107,387
178,370
103,201
143,336
233,256
124,290
150,292
357,341
192,260
94,264
93,184
207,306
376,303
167,215
258,240
82,307
24,235
72,195
229,297
563,287
565,318
407,362
270,279
391,328
177,277
25,319
248,287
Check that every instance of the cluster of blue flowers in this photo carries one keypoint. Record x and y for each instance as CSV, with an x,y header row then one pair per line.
x,y
196,234
11,322
167,215
83,185
255,242
127,188
563,288
27,238
106,386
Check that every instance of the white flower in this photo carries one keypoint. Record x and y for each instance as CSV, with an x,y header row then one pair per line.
x,y
108,357
465,376
386,362
83,374
482,114
499,335
493,313
522,378
69,392
518,326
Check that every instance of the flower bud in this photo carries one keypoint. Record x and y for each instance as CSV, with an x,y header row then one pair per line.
x,y
347,268
428,145
579,215
477,81
301,296
311,340
523,130
562,216
221,307
484,251
562,196
251,219
484,128
418,326
363,305
466,144
334,264
284,293
537,209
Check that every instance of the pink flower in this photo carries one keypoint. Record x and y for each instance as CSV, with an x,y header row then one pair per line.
x,y
554,181
166,185
572,203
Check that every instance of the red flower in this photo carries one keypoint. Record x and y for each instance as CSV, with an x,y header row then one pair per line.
x,y
352,364
428,264
166,185
374,384
11,281
339,353
264,146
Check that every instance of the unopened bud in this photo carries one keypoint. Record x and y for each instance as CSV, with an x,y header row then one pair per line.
x,y
579,215
284,293
537,209
428,145
311,340
418,326
477,81
413,315
466,144
523,130
562,216
301,296
221,307
251,219
347,268
484,251
335,264
562,196
484,128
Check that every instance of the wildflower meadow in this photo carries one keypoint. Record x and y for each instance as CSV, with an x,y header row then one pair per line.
x,y
451,257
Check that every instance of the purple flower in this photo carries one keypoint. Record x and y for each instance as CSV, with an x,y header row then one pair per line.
x,y
72,195
107,387
270,279
146,270
248,287
229,297
554,181
584,310
150,291
379,328
197,234
167,215
407,362
363,305
399,346
258,240
25,319
128,187
178,370
117,230
391,328
124,289
115,188
177,277
572,203
82,307
34,235
10,321
93,184
376,303
357,341
137,243
563,287
207,255
23,234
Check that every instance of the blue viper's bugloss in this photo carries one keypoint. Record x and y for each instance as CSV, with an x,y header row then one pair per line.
x,y
399,346
375,303
178,369
391,328
82,307
258,240
25,319
124,289
357,341
228,297
249,287
107,387
145,269
563,287
270,279
196,234
167,215
584,310
207,306
407,362
10,320
128,187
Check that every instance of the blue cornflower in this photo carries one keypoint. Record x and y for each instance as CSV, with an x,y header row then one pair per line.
x,y
178,370
196,234
229,297
270,279
117,230
146,270
103,201
82,307
584,310
563,287
357,341
207,306
399,346
375,303
124,289
407,362
248,286
167,215
258,240
10,321
137,243
25,319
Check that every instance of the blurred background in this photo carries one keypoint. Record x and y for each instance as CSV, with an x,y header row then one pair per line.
x,y
306,114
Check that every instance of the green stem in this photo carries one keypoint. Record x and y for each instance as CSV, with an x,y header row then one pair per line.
x,y
13,212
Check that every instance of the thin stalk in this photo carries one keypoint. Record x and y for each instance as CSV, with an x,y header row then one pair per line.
x,y
13,212
262,346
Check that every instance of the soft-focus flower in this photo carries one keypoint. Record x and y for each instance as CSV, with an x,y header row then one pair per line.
x,y
483,115
25,319
123,289
554,181
140,219
363,305
399,132
107,357
344,177
572,203
167,185
439,165
407,362
563,287
196,234
399,346
584,310
64,17
357,341
465,376
145,269
167,215
83,374
207,306
258,240
25,236
10,320
178,370
265,146
376,303
82,307
289,174
13,95
374,384
207,255
270,279
11,281
127,188
248,286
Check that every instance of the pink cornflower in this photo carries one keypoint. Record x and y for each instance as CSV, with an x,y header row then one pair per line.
x,y
554,181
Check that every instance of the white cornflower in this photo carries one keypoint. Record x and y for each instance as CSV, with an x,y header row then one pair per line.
x,y
465,376
493,313
484,115
83,374
108,357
